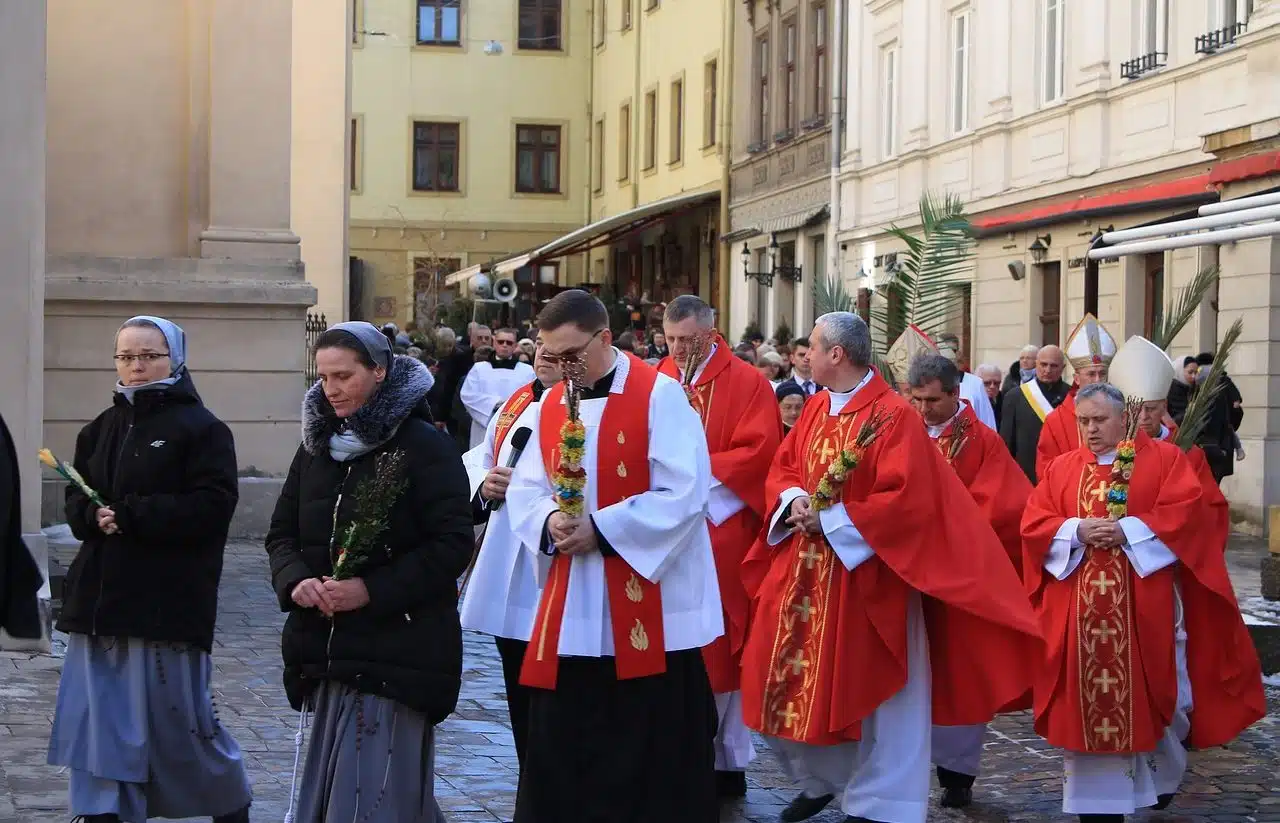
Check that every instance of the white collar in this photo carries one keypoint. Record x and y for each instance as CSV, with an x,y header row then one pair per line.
x,y
701,366
841,399
936,431
1107,459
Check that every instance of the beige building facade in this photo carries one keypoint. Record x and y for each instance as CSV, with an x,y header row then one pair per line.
x,y
470,129
148,169
780,189
1056,121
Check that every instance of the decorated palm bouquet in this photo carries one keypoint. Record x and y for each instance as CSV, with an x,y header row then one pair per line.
x,y
698,345
570,478
1122,468
72,476
828,491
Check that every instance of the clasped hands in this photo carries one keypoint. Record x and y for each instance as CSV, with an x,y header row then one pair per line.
x,y
1096,531
106,518
804,517
331,596
572,535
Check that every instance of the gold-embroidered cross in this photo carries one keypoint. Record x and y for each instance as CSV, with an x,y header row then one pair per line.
x,y
788,715
797,662
1102,583
1106,730
827,452
1100,493
1104,633
1106,681
803,609
810,555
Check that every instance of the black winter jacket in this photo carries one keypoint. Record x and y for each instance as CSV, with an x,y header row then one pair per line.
x,y
167,467
20,578
406,644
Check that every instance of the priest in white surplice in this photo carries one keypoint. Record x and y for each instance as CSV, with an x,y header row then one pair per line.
x,y
502,592
622,718
491,382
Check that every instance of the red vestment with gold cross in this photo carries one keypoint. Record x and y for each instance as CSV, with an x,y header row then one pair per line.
x,y
1108,682
827,646
743,426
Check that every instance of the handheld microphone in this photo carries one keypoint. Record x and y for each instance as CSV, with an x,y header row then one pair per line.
x,y
519,440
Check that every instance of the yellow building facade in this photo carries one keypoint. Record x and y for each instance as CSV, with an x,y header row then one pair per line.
x,y
659,127
469,134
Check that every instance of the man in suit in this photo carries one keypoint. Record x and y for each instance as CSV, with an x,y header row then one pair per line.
x,y
800,374
1024,409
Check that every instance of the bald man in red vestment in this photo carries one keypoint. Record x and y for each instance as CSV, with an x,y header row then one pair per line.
x,y
743,428
998,485
882,601
1146,651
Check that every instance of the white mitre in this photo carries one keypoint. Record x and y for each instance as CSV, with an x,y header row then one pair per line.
x,y
1141,370
910,344
1090,344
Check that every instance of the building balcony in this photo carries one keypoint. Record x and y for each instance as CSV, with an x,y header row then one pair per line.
x,y
783,136
1138,66
1216,40
815,122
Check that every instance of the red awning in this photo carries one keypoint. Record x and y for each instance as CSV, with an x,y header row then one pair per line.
x,y
1204,187
1186,188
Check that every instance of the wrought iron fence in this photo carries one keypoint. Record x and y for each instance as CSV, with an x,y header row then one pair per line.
x,y
316,326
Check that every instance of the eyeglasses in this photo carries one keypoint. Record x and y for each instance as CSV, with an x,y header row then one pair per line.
x,y
145,357
572,354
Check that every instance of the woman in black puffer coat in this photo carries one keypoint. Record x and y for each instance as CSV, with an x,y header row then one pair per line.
x,y
377,657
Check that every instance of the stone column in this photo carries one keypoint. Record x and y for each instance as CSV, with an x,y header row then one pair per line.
x,y
22,204
250,53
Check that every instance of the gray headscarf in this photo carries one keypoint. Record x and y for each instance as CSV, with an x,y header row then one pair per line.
x,y
374,342
176,339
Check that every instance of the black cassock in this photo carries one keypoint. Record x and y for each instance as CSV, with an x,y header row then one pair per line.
x,y
1020,425
603,750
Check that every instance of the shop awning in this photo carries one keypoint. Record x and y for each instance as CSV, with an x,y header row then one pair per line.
x,y
608,230
463,275
776,225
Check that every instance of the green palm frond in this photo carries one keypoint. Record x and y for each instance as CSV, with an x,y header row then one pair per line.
x,y
829,294
1184,308
1203,399
922,291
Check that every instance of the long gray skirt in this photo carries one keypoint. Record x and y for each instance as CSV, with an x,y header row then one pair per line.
x,y
136,727
369,760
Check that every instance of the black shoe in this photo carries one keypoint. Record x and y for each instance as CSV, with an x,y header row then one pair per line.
x,y
1101,818
730,785
956,797
804,807
1163,801
241,816
96,818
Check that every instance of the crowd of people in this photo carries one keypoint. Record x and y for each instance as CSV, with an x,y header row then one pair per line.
x,y
856,562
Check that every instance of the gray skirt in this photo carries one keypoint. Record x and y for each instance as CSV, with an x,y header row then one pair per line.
x,y
369,760
135,725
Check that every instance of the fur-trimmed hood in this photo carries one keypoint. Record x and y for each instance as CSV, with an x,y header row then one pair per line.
x,y
404,389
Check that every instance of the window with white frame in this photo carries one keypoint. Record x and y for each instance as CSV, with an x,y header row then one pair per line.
x,y
1229,13
889,101
1153,27
961,37
1052,64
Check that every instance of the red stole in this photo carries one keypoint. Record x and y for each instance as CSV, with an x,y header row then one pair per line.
x,y
621,471
511,411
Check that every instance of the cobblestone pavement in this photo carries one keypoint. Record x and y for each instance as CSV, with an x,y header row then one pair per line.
x,y
476,764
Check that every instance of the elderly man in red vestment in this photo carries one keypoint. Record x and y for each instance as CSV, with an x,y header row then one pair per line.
x,y
1090,349
1146,652
743,428
877,580
998,485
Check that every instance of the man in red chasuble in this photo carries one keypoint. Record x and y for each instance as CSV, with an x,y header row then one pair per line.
x,y
1146,652
997,484
1090,349
744,428
882,601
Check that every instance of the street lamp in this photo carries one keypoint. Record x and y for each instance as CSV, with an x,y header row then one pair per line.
x,y
1040,248
791,274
